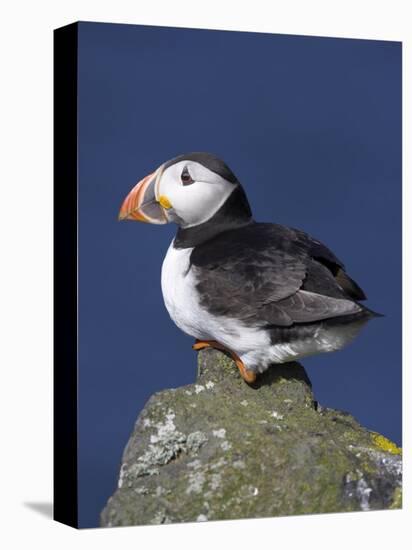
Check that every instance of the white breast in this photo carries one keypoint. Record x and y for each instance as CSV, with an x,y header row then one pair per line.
x,y
178,287
182,303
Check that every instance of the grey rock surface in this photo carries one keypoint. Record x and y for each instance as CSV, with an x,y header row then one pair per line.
x,y
221,449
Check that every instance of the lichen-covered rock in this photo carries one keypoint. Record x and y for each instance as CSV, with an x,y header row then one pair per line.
x,y
220,449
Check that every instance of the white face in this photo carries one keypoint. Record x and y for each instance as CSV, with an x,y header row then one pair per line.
x,y
190,193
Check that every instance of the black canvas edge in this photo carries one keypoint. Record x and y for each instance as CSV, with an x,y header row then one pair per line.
x,y
65,375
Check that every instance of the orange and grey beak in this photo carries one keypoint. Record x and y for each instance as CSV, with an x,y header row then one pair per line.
x,y
141,203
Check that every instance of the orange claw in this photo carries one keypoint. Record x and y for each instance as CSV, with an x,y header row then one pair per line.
x,y
201,344
248,375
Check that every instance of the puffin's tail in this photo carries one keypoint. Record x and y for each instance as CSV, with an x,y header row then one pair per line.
x,y
369,312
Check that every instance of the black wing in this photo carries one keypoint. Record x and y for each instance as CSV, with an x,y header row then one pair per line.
x,y
321,254
272,274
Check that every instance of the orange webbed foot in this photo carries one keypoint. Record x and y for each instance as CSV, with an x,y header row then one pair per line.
x,y
247,375
202,344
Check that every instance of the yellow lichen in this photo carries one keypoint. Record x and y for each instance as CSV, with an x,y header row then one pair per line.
x,y
385,444
397,499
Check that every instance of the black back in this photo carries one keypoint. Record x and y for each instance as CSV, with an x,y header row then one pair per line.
x,y
270,274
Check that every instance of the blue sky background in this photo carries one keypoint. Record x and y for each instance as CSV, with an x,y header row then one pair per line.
x,y
312,129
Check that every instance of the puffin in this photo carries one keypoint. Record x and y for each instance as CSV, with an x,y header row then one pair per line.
x,y
263,293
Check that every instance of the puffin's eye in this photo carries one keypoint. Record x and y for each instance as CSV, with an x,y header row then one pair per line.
x,y
186,177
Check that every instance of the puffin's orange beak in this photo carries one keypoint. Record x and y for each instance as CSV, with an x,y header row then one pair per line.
x,y
141,203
